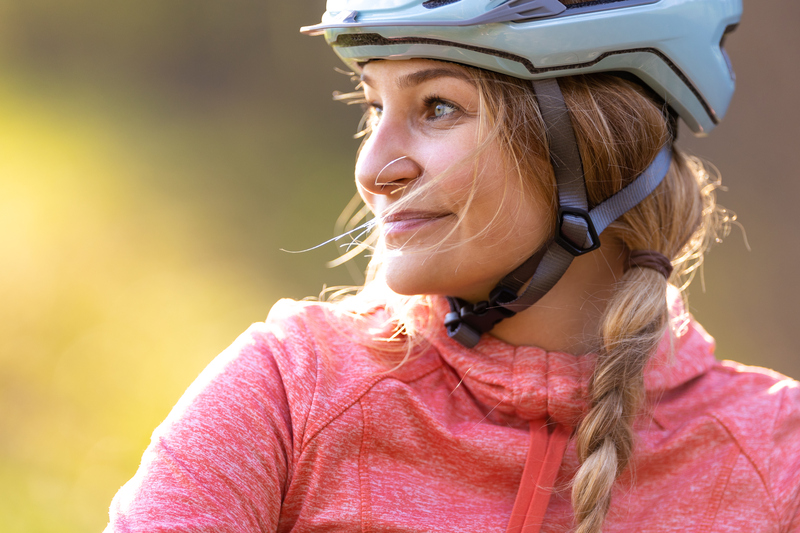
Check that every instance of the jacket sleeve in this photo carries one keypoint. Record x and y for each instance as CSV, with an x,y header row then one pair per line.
x,y
221,460
785,453
794,527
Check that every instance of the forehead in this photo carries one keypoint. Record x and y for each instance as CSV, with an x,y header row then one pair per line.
x,y
408,73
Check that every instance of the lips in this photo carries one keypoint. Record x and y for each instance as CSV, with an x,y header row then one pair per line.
x,y
410,220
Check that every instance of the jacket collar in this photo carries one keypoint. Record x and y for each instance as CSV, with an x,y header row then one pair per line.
x,y
530,383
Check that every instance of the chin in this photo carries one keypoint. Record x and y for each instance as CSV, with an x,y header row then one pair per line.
x,y
410,284
416,279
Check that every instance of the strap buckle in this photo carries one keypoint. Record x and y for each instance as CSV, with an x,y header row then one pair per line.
x,y
466,322
569,245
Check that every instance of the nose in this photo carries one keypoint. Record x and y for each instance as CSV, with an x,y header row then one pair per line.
x,y
386,164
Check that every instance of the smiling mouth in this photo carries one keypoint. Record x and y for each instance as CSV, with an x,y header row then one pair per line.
x,y
410,221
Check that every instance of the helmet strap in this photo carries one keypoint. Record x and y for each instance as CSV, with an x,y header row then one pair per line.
x,y
577,228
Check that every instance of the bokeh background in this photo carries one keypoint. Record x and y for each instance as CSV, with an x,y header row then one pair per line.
x,y
156,155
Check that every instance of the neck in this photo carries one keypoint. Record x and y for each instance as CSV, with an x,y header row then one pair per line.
x,y
567,318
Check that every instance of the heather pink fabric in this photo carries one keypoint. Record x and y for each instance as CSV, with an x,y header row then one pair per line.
x,y
296,428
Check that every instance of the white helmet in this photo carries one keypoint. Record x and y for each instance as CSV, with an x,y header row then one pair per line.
x,y
673,46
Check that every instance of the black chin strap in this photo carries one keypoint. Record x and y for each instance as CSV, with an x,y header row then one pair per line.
x,y
577,228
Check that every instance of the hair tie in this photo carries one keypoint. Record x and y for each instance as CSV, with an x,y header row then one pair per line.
x,y
649,259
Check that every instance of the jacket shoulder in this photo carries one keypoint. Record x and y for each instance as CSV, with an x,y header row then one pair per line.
x,y
325,358
763,416
760,411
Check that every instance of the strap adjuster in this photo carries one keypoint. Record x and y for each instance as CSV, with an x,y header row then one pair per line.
x,y
502,295
565,242
466,322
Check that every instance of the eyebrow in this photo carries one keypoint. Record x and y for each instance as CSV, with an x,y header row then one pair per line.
x,y
421,76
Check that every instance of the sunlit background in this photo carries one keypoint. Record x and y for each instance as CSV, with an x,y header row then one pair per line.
x,y
156,155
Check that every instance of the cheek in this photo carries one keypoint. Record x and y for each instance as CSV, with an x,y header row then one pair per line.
x,y
510,218
451,158
492,195
462,185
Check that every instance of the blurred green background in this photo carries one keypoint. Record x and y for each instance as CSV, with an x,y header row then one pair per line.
x,y
156,155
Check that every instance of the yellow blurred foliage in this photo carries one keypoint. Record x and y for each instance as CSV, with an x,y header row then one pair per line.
x,y
109,309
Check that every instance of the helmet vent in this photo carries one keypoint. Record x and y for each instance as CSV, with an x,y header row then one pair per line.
x,y
730,29
433,4
590,3
594,3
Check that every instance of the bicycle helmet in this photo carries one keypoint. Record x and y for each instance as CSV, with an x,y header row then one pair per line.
x,y
674,47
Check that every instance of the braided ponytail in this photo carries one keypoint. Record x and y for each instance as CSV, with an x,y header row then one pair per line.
x,y
632,327
620,129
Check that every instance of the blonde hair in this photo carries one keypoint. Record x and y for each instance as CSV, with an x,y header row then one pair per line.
x,y
619,127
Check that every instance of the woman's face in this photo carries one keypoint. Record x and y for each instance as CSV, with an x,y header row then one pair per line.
x,y
453,223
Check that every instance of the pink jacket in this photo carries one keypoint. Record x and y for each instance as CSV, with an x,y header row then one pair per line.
x,y
295,428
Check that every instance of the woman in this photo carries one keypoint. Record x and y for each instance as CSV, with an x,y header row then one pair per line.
x,y
519,360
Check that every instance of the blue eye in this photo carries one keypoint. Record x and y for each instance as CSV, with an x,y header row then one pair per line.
x,y
441,109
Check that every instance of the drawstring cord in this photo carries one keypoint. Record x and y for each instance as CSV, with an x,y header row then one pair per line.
x,y
546,450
